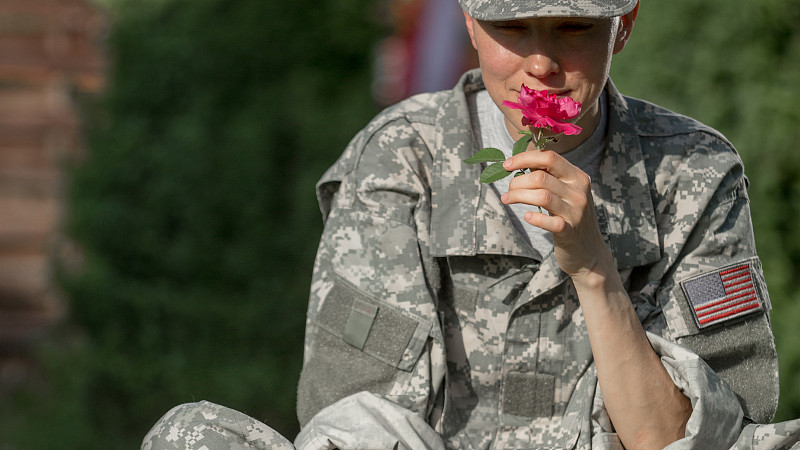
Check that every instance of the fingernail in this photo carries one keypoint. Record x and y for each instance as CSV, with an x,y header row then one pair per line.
x,y
507,163
504,197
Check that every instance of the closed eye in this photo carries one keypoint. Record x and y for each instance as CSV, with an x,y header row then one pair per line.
x,y
508,25
575,27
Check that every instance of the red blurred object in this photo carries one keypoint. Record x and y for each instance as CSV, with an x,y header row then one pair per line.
x,y
428,50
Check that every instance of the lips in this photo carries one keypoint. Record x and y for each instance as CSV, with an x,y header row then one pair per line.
x,y
559,93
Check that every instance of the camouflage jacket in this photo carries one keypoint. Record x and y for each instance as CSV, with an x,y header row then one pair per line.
x,y
425,295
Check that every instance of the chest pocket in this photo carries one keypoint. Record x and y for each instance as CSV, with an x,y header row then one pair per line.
x,y
487,278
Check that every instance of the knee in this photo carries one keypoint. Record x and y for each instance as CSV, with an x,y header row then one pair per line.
x,y
179,426
206,424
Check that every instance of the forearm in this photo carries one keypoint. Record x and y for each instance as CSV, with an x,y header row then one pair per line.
x,y
647,409
645,406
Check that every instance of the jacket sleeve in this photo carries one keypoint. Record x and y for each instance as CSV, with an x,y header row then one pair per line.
x,y
371,322
364,420
716,417
716,414
775,436
708,239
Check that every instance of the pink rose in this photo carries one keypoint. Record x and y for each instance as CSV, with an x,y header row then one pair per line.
x,y
541,110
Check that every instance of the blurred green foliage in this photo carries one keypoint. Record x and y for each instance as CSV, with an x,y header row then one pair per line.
x,y
196,212
195,209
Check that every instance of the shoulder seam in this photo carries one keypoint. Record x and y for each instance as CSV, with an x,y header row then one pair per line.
x,y
688,124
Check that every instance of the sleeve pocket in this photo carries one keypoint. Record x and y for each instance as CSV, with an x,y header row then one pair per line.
x,y
722,316
717,297
376,328
360,344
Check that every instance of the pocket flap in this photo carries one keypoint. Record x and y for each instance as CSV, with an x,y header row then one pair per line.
x,y
372,326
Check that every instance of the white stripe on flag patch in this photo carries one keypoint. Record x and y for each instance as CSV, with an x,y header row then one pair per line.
x,y
722,295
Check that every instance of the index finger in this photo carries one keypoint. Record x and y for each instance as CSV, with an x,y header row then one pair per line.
x,y
546,160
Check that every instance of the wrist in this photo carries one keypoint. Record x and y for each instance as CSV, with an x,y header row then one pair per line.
x,y
598,275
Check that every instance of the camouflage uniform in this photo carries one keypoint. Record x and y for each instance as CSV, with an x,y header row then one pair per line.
x,y
205,425
431,323
424,294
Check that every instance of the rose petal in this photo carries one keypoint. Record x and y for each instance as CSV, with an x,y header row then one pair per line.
x,y
542,109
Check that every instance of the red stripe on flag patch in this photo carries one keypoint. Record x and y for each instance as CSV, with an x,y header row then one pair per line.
x,y
734,312
722,295
724,301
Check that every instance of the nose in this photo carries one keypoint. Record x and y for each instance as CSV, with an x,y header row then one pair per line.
x,y
540,65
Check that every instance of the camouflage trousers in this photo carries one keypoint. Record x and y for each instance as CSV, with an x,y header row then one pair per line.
x,y
208,426
361,420
777,436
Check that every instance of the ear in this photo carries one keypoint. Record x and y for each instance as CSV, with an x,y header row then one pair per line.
x,y
470,24
625,29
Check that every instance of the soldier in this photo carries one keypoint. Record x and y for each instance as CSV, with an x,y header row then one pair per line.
x,y
630,310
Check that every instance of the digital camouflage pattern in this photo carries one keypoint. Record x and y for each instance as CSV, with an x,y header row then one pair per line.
x,y
783,436
208,426
520,9
466,327
431,322
366,421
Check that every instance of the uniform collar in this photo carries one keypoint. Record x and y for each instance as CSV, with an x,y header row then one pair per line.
x,y
468,217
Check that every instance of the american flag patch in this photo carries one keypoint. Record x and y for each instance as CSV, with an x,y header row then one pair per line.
x,y
722,295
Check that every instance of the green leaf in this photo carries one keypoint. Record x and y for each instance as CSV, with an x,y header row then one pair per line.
x,y
486,155
522,144
493,173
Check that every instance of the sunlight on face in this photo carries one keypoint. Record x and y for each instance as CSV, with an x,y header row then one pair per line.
x,y
568,56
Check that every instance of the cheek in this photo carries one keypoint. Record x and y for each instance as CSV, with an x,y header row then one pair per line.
x,y
591,67
499,65
590,59
598,59
495,60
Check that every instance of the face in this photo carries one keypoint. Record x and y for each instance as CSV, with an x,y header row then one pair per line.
x,y
568,56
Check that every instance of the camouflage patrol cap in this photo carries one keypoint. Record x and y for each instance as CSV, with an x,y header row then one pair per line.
x,y
520,9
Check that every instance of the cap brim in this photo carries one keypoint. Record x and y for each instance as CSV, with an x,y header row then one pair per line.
x,y
523,9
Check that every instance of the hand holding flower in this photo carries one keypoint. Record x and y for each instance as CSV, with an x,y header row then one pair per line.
x,y
547,180
565,192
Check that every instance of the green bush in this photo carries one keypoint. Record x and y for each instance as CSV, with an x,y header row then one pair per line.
x,y
195,210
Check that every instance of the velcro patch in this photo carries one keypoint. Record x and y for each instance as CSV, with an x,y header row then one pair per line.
x,y
722,295
359,323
